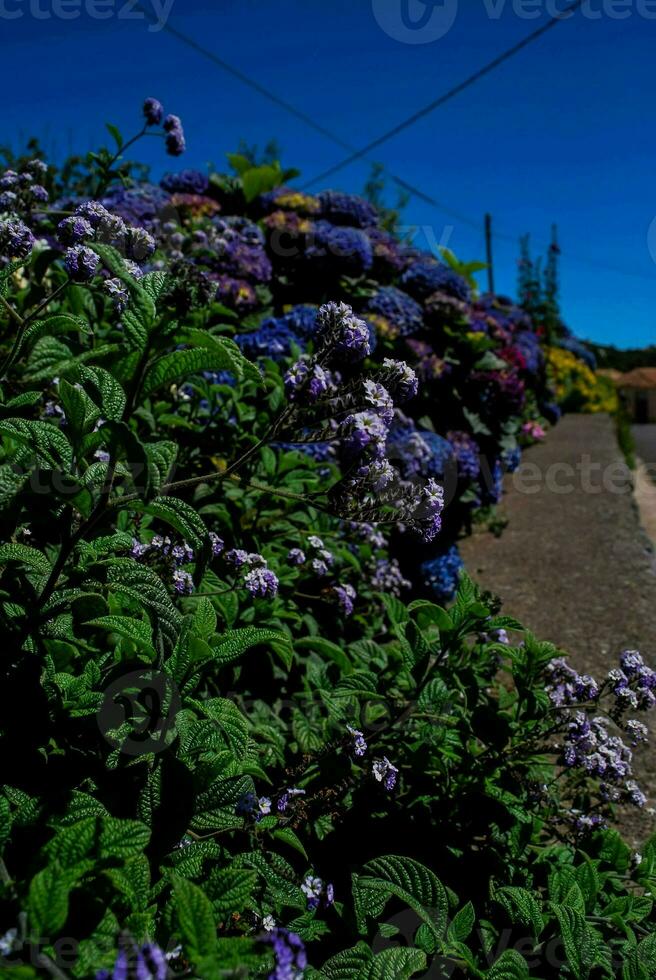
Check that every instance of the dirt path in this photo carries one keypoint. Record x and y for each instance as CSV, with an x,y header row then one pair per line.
x,y
574,564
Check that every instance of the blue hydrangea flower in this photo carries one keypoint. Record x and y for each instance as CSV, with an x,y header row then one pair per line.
x,y
273,339
441,457
529,345
347,209
341,251
512,459
441,574
185,182
491,481
429,276
467,454
403,312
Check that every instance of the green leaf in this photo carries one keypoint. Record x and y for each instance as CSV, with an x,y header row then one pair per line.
x,y
71,844
46,441
142,585
288,836
122,838
26,556
522,907
47,903
348,964
161,458
231,889
181,516
231,645
400,962
110,397
463,923
81,413
135,630
195,916
116,135
406,879
510,966
179,364
259,180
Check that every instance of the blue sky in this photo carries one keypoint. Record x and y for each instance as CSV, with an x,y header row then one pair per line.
x,y
563,133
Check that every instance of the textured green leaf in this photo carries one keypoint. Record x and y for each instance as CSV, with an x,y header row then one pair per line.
x,y
522,907
73,843
231,645
406,879
127,577
122,838
180,364
463,923
26,556
348,964
195,916
47,903
230,889
181,516
400,962
510,966
46,441
132,629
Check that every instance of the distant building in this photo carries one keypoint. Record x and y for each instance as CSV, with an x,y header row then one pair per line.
x,y
637,390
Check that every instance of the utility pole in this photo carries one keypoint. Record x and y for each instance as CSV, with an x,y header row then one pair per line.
x,y
488,249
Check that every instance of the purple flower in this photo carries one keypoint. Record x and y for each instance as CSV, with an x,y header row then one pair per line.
x,y
365,430
240,558
637,731
117,292
81,263
217,543
93,212
384,772
380,400
261,582
345,596
183,582
631,662
347,209
288,795
354,338
175,143
289,954
8,201
73,230
295,556
140,244
306,381
39,194
147,963
403,314
9,179
16,239
153,111
312,889
400,379
359,743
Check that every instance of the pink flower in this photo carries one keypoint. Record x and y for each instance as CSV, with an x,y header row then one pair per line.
x,y
534,430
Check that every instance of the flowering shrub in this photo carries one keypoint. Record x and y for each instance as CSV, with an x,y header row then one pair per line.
x,y
230,747
578,388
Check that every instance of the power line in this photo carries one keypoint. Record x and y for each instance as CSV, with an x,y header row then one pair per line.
x,y
553,21
399,182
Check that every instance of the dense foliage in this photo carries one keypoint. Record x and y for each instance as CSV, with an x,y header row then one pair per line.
x,y
230,747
